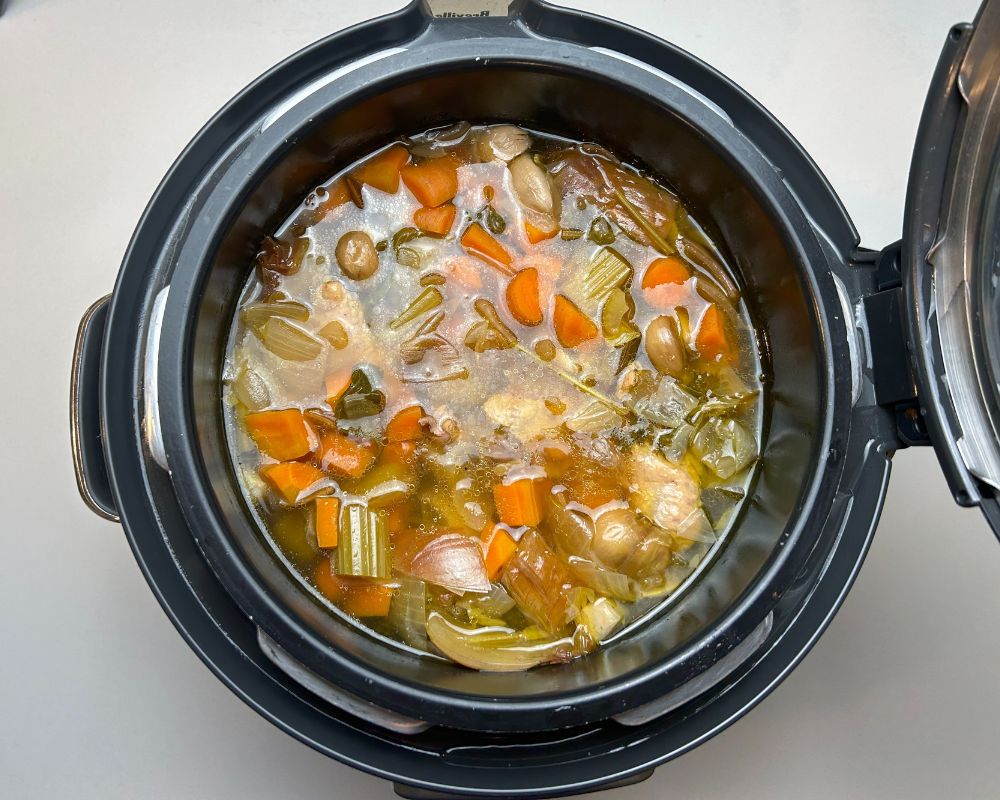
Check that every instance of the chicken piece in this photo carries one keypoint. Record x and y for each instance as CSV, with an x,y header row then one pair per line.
x,y
665,493
526,418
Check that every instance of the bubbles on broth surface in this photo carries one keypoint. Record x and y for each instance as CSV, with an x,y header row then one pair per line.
x,y
527,427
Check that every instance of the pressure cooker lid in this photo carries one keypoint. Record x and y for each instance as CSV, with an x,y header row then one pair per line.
x,y
951,262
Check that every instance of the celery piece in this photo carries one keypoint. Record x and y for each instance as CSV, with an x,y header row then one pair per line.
x,y
363,543
601,232
493,220
616,318
429,299
587,287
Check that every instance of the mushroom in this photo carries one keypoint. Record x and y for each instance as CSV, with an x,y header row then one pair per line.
x,y
356,255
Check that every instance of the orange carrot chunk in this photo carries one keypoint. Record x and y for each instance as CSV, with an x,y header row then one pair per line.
x,y
283,435
336,195
327,521
520,502
711,339
499,546
572,326
522,297
437,221
364,599
405,426
432,183
382,171
336,384
344,456
478,242
671,269
536,234
328,583
291,479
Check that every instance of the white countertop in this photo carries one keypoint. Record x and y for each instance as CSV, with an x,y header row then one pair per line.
x,y
100,698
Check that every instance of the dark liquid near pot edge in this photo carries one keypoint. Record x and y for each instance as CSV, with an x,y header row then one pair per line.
x,y
526,429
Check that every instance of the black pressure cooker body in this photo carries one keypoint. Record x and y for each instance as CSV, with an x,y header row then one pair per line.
x,y
865,355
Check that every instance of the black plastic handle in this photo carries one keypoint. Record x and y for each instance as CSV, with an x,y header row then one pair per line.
x,y
85,414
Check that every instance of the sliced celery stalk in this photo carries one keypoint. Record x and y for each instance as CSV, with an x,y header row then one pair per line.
x,y
363,546
608,269
429,299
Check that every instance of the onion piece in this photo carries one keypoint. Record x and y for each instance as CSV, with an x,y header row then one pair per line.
x,y
256,314
448,559
539,582
605,581
251,389
600,618
495,604
571,530
408,612
499,649
618,532
724,446
289,341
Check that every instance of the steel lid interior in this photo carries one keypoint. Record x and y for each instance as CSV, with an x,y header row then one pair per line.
x,y
951,262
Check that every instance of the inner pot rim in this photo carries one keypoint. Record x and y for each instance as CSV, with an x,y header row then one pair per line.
x,y
253,162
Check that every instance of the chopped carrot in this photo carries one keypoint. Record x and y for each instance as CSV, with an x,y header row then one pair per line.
x,y
291,478
382,171
398,517
400,453
478,242
520,502
522,297
536,234
327,521
283,435
328,583
671,269
367,599
572,326
499,546
435,220
344,456
336,384
433,182
337,194
405,426
711,339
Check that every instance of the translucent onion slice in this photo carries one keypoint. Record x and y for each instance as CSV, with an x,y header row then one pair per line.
x,y
605,581
600,618
449,559
289,341
408,612
256,314
498,649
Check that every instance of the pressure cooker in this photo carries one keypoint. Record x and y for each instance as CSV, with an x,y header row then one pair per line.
x,y
869,351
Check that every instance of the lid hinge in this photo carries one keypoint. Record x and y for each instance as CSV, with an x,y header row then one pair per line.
x,y
892,371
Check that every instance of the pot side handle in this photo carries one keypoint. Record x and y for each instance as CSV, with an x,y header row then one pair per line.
x,y
85,429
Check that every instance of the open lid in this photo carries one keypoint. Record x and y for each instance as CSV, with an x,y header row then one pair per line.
x,y
951,262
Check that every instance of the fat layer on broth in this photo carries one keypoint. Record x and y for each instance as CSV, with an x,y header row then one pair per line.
x,y
493,395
